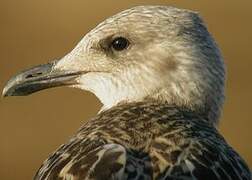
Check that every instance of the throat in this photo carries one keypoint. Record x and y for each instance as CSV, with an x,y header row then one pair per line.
x,y
112,92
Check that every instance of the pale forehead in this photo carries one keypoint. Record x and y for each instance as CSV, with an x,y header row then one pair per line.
x,y
148,13
144,17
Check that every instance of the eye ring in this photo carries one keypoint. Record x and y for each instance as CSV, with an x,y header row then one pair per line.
x,y
120,43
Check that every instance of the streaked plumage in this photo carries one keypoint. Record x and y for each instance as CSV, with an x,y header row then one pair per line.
x,y
162,97
144,141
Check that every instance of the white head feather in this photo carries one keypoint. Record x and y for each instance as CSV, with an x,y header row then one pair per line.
x,y
171,58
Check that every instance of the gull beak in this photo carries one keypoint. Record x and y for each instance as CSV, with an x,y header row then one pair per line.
x,y
39,78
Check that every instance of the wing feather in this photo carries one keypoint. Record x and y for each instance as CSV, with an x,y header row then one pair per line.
x,y
96,161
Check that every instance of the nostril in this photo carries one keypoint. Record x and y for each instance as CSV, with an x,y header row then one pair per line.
x,y
34,75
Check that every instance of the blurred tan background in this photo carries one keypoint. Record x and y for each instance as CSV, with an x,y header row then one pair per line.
x,y
35,32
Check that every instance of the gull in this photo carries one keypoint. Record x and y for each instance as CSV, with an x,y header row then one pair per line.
x,y
160,77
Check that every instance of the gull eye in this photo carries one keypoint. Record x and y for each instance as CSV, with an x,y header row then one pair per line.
x,y
120,43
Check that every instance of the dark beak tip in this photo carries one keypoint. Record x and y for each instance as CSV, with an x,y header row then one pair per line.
x,y
4,94
38,78
6,91
14,85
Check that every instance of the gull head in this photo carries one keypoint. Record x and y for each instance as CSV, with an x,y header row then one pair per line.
x,y
157,53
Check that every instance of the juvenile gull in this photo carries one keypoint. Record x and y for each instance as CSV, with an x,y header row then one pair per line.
x,y
160,78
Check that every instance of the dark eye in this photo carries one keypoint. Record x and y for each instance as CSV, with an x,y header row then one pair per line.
x,y
120,43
